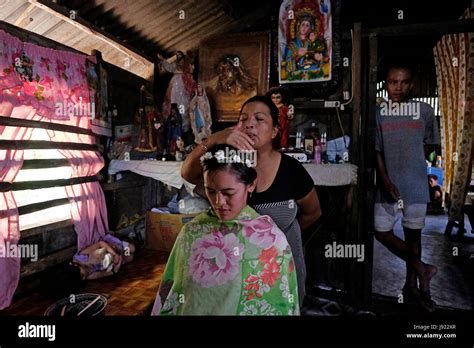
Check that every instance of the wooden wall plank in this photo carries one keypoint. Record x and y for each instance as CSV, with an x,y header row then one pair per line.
x,y
44,144
42,229
31,208
48,261
45,163
16,122
32,185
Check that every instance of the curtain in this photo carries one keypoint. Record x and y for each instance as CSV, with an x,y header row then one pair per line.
x,y
88,208
454,60
43,84
10,164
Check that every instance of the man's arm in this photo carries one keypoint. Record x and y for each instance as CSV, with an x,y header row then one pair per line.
x,y
390,188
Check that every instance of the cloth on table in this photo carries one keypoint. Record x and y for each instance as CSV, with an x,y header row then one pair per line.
x,y
166,172
332,174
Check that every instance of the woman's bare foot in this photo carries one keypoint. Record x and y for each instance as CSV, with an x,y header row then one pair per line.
x,y
426,277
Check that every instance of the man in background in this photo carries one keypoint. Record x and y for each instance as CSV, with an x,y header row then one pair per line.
x,y
405,131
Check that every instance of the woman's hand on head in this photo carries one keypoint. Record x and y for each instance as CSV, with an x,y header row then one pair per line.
x,y
233,136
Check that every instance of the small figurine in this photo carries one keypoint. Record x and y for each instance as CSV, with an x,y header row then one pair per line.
x,y
200,115
179,149
181,86
173,129
277,95
147,138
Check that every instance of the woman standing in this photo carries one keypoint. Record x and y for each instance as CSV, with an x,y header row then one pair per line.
x,y
284,190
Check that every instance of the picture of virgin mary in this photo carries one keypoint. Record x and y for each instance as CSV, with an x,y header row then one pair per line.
x,y
305,41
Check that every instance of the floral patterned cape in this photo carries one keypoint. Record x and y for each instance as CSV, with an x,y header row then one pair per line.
x,y
238,267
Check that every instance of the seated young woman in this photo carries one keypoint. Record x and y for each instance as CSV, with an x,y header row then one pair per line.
x,y
229,260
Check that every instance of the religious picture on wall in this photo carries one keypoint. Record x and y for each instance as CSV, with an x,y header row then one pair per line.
x,y
233,69
305,41
97,80
102,102
200,115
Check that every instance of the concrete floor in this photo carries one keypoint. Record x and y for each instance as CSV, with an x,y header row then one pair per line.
x,y
453,286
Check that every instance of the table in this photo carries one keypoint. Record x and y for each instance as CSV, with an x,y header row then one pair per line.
x,y
169,172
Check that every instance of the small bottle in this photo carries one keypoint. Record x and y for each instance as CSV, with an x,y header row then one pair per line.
x,y
439,161
298,140
323,143
317,151
309,145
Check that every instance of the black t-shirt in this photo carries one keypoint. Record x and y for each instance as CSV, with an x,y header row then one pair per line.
x,y
292,182
433,191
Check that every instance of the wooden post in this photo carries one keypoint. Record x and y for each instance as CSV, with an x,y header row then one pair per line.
x,y
354,199
366,229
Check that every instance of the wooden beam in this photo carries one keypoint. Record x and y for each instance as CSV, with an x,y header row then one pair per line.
x,y
355,199
45,163
45,228
34,185
23,17
428,29
48,261
368,176
356,92
90,29
28,36
17,122
44,144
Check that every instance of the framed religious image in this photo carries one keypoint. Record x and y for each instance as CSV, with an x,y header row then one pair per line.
x,y
305,41
97,79
233,68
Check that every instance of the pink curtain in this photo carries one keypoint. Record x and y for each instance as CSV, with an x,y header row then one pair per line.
x,y
10,164
88,208
39,83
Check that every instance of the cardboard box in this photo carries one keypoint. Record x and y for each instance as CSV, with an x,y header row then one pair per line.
x,y
162,229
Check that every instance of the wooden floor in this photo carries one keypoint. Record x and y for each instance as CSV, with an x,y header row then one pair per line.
x,y
130,292
452,286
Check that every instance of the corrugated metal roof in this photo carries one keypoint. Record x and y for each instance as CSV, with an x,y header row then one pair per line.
x,y
129,33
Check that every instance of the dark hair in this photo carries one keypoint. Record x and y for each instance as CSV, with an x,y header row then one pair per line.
x,y
245,174
274,112
432,176
278,90
397,63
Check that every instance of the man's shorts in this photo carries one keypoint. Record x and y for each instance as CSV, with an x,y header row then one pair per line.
x,y
385,216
